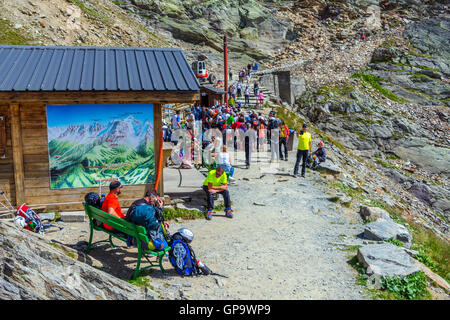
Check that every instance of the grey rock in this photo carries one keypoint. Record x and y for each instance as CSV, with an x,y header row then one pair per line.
x,y
47,216
74,216
373,213
48,273
386,260
330,166
382,230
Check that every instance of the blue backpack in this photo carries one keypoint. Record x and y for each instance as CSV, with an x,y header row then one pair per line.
x,y
182,256
145,215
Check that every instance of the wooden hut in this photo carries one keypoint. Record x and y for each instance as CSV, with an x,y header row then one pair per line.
x,y
210,96
33,78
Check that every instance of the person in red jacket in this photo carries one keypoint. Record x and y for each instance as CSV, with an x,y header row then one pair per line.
x,y
111,203
284,136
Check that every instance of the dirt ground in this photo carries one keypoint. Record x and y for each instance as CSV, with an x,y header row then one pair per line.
x,y
286,241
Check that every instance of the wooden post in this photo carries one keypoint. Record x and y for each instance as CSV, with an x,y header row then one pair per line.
x,y
225,76
17,151
157,126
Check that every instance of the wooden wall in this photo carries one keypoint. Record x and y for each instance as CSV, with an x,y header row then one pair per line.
x,y
35,162
6,164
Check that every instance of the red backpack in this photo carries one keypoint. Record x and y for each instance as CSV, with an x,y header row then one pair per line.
x,y
33,222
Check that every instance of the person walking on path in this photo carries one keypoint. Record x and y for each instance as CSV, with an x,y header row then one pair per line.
x,y
247,96
284,136
216,182
304,147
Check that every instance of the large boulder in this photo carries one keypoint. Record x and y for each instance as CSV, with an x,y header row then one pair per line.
x,y
424,153
386,260
431,37
383,229
32,268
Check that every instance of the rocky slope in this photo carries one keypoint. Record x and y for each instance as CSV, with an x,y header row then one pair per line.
x,y
32,267
394,113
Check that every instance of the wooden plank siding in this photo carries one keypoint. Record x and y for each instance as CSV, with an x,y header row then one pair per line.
x,y
6,164
35,174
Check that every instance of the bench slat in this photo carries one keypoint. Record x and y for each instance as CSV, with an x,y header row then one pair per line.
x,y
122,225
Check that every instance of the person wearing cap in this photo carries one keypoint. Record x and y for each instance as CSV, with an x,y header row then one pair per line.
x,y
304,147
152,199
216,182
111,203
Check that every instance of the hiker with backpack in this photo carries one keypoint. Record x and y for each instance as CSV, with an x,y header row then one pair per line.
x,y
304,148
147,212
216,182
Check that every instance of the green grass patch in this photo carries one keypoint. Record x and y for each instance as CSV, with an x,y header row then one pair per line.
x,y
392,157
374,82
142,281
93,13
185,214
384,163
412,287
71,255
12,36
395,242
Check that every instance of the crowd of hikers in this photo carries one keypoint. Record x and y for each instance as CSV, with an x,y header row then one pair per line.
x,y
204,136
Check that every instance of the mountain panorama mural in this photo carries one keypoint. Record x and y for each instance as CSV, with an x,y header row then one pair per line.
x,y
89,143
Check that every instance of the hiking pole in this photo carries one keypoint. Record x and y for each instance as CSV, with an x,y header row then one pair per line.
x,y
218,274
4,196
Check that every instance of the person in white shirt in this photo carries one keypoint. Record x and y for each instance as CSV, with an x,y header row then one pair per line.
x,y
176,126
224,160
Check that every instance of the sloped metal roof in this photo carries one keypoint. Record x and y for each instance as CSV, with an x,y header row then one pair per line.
x,y
41,68
213,89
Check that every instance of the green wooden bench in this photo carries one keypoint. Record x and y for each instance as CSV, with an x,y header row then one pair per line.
x,y
131,229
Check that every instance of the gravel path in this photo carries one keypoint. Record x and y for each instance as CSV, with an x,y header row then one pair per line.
x,y
281,243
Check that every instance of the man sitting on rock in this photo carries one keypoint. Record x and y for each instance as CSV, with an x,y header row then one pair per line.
x,y
319,155
216,182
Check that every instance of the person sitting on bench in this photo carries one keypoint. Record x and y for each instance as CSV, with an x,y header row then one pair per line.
x,y
111,203
216,182
147,212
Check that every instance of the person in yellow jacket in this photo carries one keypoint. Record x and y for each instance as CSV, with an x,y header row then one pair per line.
x,y
304,148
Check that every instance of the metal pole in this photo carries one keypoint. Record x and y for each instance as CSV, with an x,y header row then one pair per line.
x,y
225,58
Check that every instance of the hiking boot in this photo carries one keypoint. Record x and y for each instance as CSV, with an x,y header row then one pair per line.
x,y
295,175
209,215
303,175
229,213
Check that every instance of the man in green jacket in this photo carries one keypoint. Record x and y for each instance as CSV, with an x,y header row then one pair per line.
x,y
216,182
304,147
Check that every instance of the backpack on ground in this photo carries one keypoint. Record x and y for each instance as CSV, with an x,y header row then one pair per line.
x,y
182,256
32,220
